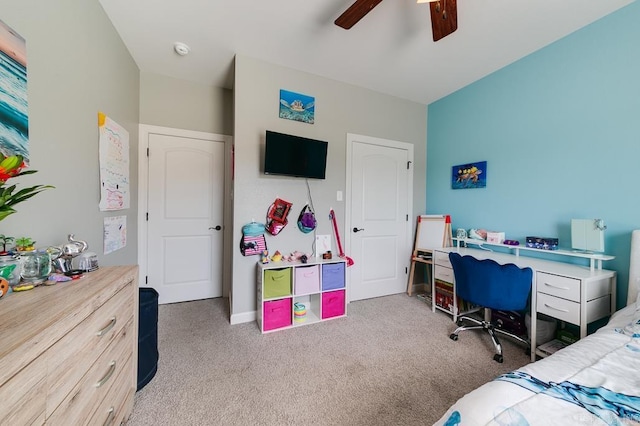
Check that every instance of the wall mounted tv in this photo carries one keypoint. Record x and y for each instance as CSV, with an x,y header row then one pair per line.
x,y
289,155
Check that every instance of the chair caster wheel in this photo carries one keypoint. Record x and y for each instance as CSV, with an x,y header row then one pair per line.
x,y
453,337
498,358
459,323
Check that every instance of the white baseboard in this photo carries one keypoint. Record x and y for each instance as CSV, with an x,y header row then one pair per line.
x,y
243,317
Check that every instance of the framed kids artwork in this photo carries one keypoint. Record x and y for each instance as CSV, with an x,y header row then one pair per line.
x,y
468,176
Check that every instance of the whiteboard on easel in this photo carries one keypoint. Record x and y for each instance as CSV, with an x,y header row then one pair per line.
x,y
432,232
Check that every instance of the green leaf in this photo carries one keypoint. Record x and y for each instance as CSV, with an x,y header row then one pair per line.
x,y
26,193
6,211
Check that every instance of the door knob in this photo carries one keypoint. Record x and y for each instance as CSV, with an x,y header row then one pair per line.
x,y
217,228
357,229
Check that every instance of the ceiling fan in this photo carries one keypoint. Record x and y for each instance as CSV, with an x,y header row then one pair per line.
x,y
444,15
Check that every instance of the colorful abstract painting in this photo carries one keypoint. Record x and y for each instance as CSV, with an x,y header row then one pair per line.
x,y
298,107
14,119
472,175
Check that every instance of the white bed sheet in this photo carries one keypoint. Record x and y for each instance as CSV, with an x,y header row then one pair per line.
x,y
595,381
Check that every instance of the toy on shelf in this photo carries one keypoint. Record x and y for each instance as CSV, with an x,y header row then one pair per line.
x,y
477,234
299,312
297,256
277,256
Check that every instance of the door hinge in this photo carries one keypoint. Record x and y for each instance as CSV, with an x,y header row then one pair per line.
x,y
406,270
407,219
147,216
146,279
408,164
147,152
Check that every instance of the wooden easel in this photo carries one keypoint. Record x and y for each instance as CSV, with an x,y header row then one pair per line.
x,y
432,232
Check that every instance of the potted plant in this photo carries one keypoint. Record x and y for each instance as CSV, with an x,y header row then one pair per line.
x,y
25,244
4,240
12,167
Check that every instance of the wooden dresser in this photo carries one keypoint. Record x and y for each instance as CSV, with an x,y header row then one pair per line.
x,y
68,352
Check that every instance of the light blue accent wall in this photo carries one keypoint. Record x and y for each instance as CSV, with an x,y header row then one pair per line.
x,y
560,131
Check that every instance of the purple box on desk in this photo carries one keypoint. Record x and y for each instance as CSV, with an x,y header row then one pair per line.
x,y
542,243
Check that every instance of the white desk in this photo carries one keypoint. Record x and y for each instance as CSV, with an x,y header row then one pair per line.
x,y
575,294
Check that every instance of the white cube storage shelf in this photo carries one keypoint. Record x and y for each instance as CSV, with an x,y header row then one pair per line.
x,y
319,285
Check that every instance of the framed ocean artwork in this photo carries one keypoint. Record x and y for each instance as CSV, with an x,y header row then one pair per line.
x,y
471,175
14,119
296,106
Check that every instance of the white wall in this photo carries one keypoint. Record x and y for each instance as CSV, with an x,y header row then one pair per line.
x,y
77,66
170,102
340,109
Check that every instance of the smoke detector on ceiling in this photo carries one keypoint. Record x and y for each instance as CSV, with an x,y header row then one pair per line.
x,y
181,48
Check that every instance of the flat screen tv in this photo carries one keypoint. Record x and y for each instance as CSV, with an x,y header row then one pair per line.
x,y
289,155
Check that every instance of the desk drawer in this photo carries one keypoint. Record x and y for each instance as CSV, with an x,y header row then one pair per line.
x,y
556,285
442,258
443,273
559,308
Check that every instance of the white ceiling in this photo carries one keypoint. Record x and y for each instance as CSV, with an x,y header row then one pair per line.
x,y
391,50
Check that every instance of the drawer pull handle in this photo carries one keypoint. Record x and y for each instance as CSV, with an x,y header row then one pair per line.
x,y
556,286
556,309
112,414
105,379
108,327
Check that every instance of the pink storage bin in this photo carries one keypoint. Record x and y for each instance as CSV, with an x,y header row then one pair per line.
x,y
276,314
333,304
307,279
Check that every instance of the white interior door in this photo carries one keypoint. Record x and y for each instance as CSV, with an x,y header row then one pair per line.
x,y
185,205
380,206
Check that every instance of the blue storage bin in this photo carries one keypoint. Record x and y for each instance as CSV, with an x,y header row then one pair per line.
x,y
147,336
332,276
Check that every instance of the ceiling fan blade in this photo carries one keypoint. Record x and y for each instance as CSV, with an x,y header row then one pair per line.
x,y
356,12
444,18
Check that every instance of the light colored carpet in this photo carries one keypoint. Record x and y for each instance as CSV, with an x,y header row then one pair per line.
x,y
389,362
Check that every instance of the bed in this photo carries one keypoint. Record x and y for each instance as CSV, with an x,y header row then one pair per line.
x,y
595,381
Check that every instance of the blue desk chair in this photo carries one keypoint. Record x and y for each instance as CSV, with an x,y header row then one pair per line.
x,y
490,285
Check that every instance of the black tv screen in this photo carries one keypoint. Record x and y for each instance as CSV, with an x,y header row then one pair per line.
x,y
290,155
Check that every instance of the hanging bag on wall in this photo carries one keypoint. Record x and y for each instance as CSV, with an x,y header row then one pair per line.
x,y
253,242
277,216
306,220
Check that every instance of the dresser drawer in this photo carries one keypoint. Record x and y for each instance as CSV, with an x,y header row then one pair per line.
x,y
559,308
79,404
74,354
556,285
112,408
444,274
24,395
442,259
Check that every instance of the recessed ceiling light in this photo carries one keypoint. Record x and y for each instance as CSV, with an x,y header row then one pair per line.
x,y
181,48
